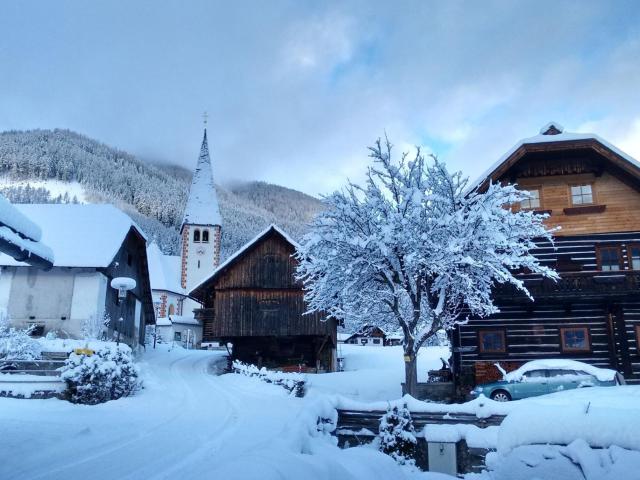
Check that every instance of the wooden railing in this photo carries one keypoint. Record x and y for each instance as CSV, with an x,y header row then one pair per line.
x,y
357,420
578,284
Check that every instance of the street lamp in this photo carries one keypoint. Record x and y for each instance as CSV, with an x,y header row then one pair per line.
x,y
123,285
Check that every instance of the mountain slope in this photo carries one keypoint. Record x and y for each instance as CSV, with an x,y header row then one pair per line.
x,y
63,166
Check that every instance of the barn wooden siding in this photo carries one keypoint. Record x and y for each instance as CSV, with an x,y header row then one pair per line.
x,y
607,303
257,295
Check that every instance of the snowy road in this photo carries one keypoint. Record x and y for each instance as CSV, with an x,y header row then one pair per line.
x,y
186,423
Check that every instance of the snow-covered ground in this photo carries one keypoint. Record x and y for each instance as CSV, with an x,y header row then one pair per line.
x,y
374,373
186,423
190,423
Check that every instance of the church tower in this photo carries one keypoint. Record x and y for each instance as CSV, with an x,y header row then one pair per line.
x,y
202,224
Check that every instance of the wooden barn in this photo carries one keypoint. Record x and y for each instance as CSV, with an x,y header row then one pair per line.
x,y
253,301
592,314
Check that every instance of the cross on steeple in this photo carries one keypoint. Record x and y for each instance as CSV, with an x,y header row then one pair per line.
x,y
205,116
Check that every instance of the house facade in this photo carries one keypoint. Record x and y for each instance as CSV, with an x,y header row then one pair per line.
x,y
591,190
92,244
254,302
368,336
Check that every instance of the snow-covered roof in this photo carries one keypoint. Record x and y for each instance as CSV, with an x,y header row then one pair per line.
x,y
202,204
79,235
164,270
21,238
183,320
163,322
552,132
244,248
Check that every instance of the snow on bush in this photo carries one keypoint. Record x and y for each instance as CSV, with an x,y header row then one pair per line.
x,y
17,344
397,435
106,375
293,382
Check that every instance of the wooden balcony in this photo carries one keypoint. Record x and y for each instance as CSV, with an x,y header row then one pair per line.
x,y
574,285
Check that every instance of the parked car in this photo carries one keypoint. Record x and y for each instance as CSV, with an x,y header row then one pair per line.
x,y
541,377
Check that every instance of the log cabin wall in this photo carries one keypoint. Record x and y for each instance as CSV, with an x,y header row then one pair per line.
x,y
616,206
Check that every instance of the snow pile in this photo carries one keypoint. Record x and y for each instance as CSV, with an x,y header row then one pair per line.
x,y
602,374
599,426
17,344
397,435
293,382
106,375
576,461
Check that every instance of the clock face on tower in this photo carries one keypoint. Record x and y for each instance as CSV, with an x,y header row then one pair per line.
x,y
200,250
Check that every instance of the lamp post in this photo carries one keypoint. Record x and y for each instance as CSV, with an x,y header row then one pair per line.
x,y
122,285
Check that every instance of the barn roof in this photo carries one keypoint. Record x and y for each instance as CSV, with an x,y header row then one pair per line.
x,y
202,204
79,235
553,137
240,252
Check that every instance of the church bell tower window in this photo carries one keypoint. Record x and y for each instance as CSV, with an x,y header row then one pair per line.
x,y
205,236
196,235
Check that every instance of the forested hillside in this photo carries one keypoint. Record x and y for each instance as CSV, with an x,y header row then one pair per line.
x,y
31,162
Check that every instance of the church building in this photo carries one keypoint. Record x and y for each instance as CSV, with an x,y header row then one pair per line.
x,y
173,275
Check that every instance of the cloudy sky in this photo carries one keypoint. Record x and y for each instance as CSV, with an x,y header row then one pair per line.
x,y
297,90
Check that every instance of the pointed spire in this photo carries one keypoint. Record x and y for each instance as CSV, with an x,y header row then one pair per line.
x,y
202,204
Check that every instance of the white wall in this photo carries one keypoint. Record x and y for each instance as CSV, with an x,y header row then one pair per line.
x,y
61,299
6,277
89,293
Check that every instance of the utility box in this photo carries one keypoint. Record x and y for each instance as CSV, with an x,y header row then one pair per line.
x,y
443,457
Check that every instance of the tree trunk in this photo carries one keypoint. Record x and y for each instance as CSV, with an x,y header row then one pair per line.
x,y
410,374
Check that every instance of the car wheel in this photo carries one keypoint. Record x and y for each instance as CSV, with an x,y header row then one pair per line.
x,y
500,396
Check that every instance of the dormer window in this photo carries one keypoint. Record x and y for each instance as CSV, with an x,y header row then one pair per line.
x,y
196,236
533,201
581,194
205,236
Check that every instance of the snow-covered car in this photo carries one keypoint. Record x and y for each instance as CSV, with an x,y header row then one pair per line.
x,y
540,377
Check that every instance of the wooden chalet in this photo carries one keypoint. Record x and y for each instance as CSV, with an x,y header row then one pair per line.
x,y
253,301
592,314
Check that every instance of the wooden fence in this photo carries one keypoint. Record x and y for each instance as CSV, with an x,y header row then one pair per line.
x,y
358,420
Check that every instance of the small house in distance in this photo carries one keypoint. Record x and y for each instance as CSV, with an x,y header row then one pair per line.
x,y
91,244
253,301
368,335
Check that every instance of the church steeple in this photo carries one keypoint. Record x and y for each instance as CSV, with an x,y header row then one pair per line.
x,y
202,224
202,204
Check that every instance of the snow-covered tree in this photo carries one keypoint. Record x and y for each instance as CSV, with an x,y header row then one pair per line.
x,y
95,326
397,435
17,344
412,249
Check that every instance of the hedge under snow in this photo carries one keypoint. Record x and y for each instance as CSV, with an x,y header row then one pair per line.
x,y
293,382
106,375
